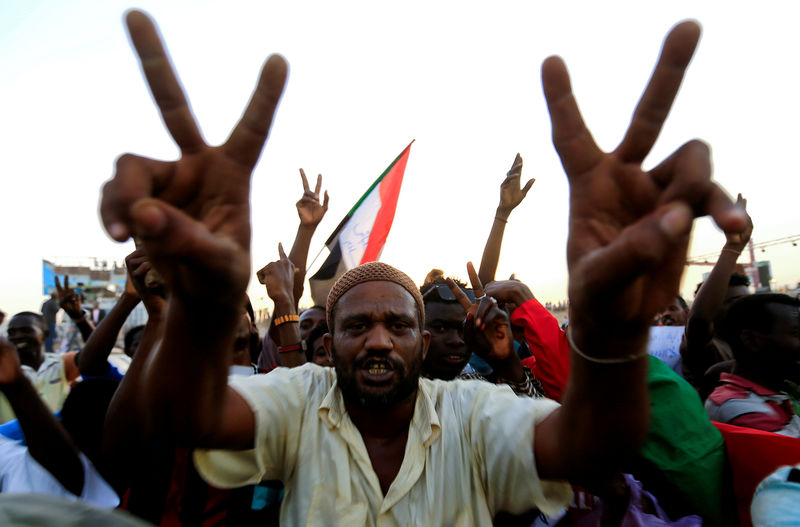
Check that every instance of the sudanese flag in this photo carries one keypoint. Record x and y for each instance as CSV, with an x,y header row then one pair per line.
x,y
360,236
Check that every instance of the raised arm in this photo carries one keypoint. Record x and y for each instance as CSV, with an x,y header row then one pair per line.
x,y
70,302
311,212
628,235
711,296
193,218
48,442
279,278
93,358
511,195
125,429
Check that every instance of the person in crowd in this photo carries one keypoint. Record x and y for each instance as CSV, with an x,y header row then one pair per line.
x,y
701,347
392,445
50,309
310,319
547,342
50,373
511,195
53,374
315,346
70,301
311,211
47,460
97,313
675,313
764,333
132,339
776,501
448,351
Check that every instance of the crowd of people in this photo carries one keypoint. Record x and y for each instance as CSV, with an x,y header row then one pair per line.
x,y
405,403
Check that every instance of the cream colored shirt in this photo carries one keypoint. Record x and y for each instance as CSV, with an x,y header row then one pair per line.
x,y
51,381
469,454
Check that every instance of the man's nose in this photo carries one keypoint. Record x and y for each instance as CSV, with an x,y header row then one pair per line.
x,y
454,338
379,338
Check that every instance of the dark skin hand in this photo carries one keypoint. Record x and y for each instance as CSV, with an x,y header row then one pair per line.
x,y
628,235
68,299
70,302
193,218
279,278
201,201
487,330
138,266
510,294
311,212
511,195
511,191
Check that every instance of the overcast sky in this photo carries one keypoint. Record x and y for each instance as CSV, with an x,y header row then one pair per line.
x,y
462,78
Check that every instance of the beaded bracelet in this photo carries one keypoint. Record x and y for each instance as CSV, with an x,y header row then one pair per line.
x,y
283,319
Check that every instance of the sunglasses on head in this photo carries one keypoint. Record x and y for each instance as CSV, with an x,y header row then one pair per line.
x,y
445,294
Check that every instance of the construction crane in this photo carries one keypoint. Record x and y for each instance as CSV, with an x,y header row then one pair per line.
x,y
752,267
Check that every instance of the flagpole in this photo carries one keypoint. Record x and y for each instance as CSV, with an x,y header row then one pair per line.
x,y
315,259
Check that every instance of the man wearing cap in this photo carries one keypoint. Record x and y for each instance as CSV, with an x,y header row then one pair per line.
x,y
369,442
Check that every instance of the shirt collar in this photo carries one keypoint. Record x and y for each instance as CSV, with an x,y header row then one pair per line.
x,y
425,420
737,380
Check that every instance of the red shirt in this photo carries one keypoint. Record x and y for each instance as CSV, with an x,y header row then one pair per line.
x,y
548,344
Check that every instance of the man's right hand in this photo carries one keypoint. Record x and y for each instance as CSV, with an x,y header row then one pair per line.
x,y
193,214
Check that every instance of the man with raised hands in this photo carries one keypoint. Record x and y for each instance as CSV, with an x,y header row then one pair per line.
x,y
424,452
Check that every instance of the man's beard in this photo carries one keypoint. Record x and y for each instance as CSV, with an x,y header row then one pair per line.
x,y
407,381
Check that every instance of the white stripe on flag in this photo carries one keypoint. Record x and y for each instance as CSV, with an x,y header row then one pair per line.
x,y
355,235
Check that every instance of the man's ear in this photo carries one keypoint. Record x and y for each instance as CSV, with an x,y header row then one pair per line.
x,y
426,342
751,339
327,342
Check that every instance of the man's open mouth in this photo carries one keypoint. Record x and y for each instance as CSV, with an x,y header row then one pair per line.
x,y
377,370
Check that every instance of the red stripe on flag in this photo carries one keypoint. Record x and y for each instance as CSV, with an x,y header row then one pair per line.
x,y
389,192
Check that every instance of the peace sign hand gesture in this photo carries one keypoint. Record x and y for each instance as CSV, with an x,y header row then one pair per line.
x,y
68,299
487,329
193,214
629,229
310,210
